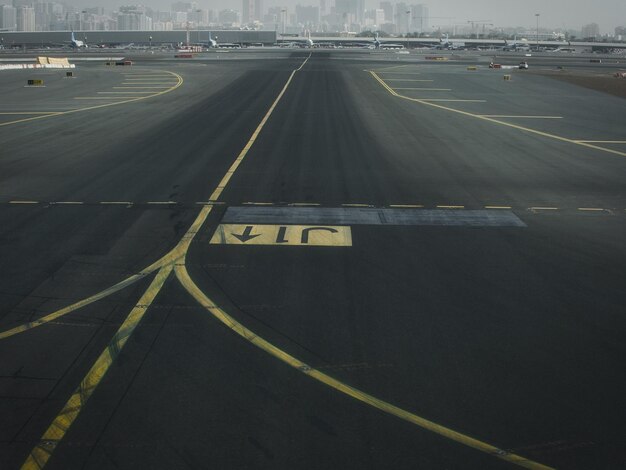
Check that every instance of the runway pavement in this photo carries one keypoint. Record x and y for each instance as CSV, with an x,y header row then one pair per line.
x,y
311,259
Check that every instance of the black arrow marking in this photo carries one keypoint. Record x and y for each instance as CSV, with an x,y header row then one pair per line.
x,y
246,236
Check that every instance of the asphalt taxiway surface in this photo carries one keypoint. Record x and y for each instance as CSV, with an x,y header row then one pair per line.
x,y
311,260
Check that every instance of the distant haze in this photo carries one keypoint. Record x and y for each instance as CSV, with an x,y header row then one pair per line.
x,y
503,13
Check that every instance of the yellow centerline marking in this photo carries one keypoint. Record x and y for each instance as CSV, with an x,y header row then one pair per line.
x,y
176,259
406,206
42,452
495,121
498,207
100,106
450,207
27,113
363,397
23,202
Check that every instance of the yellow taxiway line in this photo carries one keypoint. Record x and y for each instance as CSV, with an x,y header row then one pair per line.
x,y
166,90
495,121
176,260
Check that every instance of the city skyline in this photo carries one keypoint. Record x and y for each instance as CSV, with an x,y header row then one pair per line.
x,y
395,18
608,14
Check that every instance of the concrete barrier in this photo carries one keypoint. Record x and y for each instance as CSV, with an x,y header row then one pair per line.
x,y
35,66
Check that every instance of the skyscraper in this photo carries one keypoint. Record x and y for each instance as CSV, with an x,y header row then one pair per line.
x,y
8,17
26,19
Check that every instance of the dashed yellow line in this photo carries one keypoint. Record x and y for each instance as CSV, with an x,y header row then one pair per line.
x,y
450,207
498,207
494,120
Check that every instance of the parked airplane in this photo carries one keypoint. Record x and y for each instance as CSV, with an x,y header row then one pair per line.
x,y
447,44
515,46
76,43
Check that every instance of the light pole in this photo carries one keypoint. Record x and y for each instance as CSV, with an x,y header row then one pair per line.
x,y
408,22
284,15
537,16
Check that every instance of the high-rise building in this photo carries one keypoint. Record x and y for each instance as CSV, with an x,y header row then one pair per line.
x,y
591,30
419,18
251,11
26,19
308,16
8,17
402,17
387,7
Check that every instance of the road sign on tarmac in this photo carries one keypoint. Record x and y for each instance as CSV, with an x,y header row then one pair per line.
x,y
286,235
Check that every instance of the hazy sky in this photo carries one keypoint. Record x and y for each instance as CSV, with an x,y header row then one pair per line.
x,y
554,13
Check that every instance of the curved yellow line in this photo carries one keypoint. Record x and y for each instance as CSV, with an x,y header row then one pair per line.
x,y
261,343
496,121
175,259
90,108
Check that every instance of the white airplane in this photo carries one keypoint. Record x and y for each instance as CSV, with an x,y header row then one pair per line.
x,y
309,41
515,46
212,42
447,44
76,43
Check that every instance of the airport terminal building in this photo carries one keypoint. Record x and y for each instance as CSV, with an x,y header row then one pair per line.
x,y
155,38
